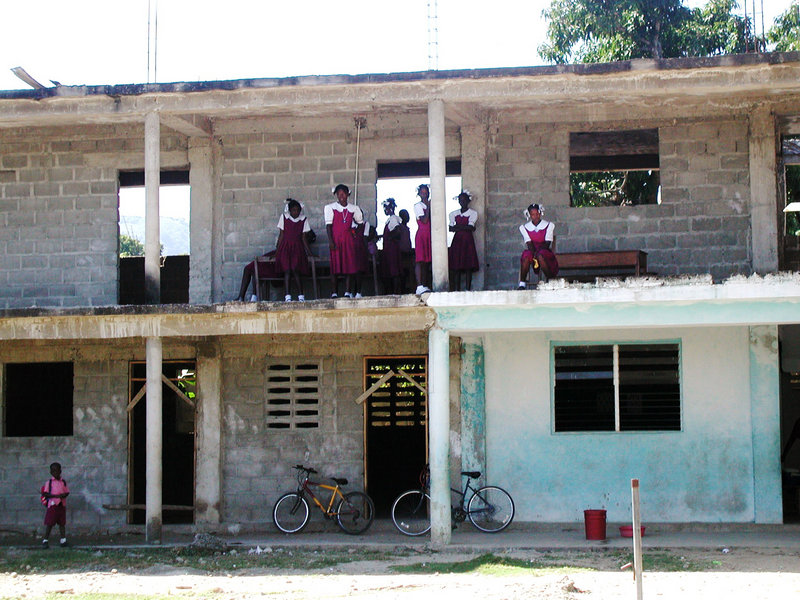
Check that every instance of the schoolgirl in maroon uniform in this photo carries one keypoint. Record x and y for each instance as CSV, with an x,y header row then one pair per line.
x,y
340,219
291,257
462,256
391,257
422,241
538,237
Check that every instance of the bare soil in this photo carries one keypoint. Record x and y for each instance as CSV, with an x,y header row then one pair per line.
x,y
746,574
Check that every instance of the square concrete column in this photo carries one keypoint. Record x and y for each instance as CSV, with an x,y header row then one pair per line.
x,y
204,235
436,159
152,234
765,422
439,433
764,191
474,141
153,436
208,492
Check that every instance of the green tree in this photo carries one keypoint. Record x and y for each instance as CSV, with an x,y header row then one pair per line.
x,y
608,30
130,246
784,35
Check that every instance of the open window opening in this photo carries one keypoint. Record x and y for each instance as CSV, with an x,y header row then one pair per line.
x,y
399,180
790,184
174,207
38,399
614,168
617,387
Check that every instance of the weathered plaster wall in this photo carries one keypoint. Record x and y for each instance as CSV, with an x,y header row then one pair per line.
x,y
701,226
58,211
702,473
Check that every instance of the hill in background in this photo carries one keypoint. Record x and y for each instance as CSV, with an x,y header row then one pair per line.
x,y
174,233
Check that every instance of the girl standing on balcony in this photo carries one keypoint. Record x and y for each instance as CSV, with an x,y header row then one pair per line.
x,y
462,256
291,257
422,241
340,220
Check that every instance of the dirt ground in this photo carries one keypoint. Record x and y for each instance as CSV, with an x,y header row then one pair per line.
x,y
739,573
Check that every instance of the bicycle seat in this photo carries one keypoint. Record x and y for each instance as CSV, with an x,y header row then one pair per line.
x,y
340,480
471,474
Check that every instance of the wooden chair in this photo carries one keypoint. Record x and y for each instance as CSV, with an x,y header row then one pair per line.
x,y
270,260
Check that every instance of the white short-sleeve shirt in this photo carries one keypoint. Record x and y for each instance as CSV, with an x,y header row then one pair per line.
x,y
334,207
306,226
472,214
393,222
529,226
419,209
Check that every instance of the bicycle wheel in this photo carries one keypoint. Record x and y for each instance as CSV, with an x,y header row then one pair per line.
x,y
290,513
355,513
490,509
411,513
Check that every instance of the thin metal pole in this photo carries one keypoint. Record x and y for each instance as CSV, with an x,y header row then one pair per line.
x,y
637,538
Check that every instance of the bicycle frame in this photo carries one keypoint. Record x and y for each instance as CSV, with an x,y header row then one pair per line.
x,y
336,493
463,495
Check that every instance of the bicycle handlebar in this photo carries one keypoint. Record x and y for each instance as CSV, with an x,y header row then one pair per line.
x,y
306,469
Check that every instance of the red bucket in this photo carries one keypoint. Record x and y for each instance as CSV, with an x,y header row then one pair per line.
x,y
595,523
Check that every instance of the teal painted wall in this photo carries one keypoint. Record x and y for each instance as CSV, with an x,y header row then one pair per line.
x,y
473,407
703,473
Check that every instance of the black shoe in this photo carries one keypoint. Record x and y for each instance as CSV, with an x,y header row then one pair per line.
x,y
45,545
63,544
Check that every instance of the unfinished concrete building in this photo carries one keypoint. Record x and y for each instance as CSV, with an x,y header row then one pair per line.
x,y
685,376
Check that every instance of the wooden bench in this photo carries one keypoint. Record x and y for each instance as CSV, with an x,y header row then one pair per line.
x,y
586,266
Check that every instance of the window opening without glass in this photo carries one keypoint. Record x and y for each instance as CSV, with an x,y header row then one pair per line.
x,y
617,387
38,399
613,168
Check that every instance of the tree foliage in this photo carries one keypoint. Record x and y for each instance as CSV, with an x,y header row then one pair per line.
x,y
784,35
130,246
608,30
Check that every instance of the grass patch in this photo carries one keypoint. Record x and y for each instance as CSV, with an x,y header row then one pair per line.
x,y
490,564
668,562
30,561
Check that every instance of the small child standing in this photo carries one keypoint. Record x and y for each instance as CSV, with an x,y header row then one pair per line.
x,y
54,493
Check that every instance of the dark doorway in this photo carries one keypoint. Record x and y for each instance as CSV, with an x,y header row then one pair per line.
x,y
177,438
396,427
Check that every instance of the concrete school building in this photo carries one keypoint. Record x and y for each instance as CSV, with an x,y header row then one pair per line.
x,y
194,410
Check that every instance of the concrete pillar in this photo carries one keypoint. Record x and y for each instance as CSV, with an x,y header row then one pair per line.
x,y
203,242
153,437
764,191
473,407
439,433
436,159
474,144
152,180
766,425
209,436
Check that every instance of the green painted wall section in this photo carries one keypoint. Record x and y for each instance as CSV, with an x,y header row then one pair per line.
x,y
765,411
577,316
473,407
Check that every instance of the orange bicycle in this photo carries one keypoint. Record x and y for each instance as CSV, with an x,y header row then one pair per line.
x,y
354,512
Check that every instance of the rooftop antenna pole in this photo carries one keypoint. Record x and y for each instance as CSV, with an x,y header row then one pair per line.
x,y
152,40
433,35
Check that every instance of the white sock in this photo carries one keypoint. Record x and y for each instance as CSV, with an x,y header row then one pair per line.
x,y
63,540
521,284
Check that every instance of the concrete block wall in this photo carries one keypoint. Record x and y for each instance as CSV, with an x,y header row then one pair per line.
x,y
701,226
94,458
59,212
258,461
262,168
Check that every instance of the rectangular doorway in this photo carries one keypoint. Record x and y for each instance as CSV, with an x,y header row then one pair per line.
x,y
178,439
396,420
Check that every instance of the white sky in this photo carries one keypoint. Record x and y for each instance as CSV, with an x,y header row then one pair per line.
x,y
99,42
